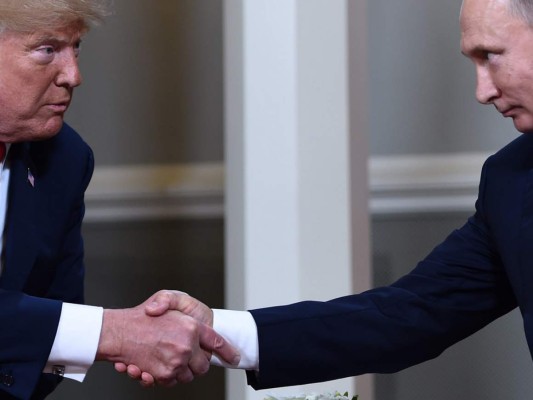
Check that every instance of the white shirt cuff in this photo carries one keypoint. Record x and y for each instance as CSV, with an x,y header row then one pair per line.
x,y
76,341
240,330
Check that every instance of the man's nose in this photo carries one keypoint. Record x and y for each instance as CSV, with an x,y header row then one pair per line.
x,y
69,74
486,90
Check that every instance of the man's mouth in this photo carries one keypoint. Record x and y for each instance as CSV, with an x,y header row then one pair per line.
x,y
509,111
59,107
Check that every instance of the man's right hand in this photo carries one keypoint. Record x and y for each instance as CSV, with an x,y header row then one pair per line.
x,y
170,347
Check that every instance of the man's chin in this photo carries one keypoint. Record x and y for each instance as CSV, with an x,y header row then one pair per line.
x,y
34,135
51,128
31,130
522,125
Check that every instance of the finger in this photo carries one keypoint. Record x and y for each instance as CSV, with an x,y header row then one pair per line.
x,y
158,304
120,367
163,301
165,375
184,375
169,382
199,363
134,372
147,380
213,342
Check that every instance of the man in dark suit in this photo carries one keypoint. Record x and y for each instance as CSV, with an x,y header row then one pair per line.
x,y
480,272
46,333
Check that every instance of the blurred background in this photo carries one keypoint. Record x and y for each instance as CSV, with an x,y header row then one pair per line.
x,y
152,108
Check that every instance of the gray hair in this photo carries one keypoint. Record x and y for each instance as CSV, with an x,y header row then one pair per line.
x,y
522,9
34,15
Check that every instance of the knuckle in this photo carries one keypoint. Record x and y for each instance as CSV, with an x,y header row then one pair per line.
x,y
185,377
202,369
162,295
165,379
180,361
182,351
218,342
189,323
189,327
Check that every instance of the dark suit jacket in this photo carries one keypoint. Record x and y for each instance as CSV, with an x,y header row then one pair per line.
x,y
480,272
43,263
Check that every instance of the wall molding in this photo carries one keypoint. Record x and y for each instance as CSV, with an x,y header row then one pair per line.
x,y
398,185
442,183
151,192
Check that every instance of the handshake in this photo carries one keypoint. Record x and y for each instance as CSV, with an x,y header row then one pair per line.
x,y
165,340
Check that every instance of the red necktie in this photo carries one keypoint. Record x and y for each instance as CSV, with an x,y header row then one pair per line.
x,y
2,151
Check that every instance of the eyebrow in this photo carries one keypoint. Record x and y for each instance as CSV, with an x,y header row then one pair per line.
x,y
476,50
54,39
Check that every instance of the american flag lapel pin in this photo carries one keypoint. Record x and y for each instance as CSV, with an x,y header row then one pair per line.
x,y
31,179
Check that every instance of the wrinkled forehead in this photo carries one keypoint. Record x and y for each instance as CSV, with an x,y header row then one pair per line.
x,y
480,10
482,18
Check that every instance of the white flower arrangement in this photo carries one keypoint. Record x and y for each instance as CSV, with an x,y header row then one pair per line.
x,y
335,396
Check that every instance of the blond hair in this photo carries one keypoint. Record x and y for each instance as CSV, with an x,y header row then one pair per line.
x,y
34,15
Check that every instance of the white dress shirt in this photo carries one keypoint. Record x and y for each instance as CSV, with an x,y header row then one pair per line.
x,y
239,329
79,326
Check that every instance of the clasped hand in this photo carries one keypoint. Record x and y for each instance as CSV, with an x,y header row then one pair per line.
x,y
155,343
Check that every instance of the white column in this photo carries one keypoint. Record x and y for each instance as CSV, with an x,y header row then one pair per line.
x,y
289,221
359,176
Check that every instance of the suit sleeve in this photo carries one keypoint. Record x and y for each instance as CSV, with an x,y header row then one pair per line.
x,y
456,290
25,352
37,316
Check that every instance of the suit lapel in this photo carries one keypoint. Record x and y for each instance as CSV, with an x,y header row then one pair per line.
x,y
20,242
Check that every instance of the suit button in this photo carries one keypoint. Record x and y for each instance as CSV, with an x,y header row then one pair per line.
x,y
7,379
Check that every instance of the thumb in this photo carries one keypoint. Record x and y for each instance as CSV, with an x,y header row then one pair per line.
x,y
156,308
213,342
163,301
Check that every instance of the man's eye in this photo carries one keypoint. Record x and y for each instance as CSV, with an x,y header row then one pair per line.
x,y
490,55
46,50
44,54
77,48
